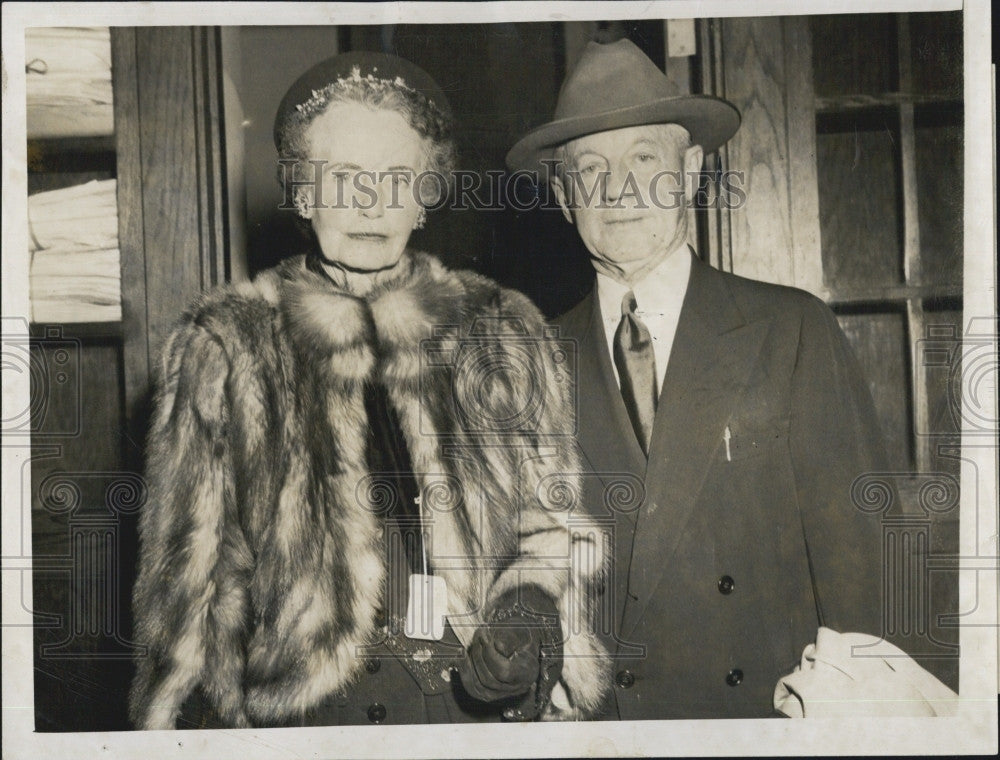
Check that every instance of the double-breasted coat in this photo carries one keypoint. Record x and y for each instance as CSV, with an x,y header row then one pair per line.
x,y
738,536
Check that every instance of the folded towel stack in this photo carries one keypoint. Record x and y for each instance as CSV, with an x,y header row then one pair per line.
x,y
68,81
75,262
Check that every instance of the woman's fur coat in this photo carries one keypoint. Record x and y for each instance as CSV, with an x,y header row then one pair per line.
x,y
262,561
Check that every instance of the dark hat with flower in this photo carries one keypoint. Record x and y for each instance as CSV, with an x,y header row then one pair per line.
x,y
615,85
310,91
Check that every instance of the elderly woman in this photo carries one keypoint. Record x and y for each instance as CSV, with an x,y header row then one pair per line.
x,y
360,495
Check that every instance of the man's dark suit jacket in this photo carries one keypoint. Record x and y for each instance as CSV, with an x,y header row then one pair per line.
x,y
724,570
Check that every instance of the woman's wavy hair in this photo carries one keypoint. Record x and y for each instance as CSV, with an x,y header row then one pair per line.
x,y
430,122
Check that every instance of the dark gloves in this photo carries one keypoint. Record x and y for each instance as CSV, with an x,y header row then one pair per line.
x,y
518,653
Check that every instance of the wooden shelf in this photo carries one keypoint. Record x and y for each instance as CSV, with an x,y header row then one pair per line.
x,y
859,101
97,144
72,155
879,117
88,331
895,293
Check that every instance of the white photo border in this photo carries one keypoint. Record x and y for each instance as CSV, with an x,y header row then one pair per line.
x,y
973,730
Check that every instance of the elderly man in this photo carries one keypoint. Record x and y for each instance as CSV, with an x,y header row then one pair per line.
x,y
732,408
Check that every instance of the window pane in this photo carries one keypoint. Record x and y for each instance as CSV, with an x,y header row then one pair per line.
x,y
880,344
939,157
936,52
939,359
859,203
854,54
942,374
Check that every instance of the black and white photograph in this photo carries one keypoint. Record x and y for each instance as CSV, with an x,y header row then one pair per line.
x,y
377,376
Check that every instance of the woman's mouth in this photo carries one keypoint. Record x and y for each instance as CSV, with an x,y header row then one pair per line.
x,y
369,237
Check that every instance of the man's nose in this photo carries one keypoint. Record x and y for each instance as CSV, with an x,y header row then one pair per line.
x,y
614,183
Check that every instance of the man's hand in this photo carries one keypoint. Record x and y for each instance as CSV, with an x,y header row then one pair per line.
x,y
518,651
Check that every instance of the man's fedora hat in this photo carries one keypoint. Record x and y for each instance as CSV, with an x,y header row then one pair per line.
x,y
615,85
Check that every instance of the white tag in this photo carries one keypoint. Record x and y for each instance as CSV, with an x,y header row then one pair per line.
x,y
427,607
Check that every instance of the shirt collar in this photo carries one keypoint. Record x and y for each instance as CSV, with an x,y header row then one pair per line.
x,y
664,285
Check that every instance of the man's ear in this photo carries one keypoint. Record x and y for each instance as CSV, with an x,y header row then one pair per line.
x,y
694,156
560,190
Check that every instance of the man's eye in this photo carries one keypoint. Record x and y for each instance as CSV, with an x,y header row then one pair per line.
x,y
589,169
645,157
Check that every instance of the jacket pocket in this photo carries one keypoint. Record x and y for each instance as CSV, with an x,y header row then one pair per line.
x,y
743,439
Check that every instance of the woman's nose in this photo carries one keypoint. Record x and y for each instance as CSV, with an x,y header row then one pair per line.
x,y
373,210
373,200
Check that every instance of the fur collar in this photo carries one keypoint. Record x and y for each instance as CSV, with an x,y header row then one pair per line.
x,y
391,319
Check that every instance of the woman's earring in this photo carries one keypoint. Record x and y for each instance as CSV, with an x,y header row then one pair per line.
x,y
302,206
421,219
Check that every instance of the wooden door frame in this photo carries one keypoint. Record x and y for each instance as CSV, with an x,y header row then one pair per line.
x,y
172,195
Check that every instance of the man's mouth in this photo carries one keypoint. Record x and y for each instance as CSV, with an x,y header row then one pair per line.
x,y
622,220
370,237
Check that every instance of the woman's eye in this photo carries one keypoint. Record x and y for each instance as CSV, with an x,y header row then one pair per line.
x,y
644,158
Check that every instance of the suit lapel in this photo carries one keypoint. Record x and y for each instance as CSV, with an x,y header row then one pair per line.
x,y
712,356
606,436
609,446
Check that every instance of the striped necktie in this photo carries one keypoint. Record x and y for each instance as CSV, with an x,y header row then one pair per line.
x,y
636,364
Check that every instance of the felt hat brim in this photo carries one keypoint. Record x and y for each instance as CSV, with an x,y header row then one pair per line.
x,y
709,120
615,85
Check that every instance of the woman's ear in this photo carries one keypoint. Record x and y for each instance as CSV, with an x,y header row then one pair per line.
x,y
303,202
421,220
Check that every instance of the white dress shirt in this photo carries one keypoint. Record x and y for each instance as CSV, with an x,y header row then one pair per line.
x,y
658,296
